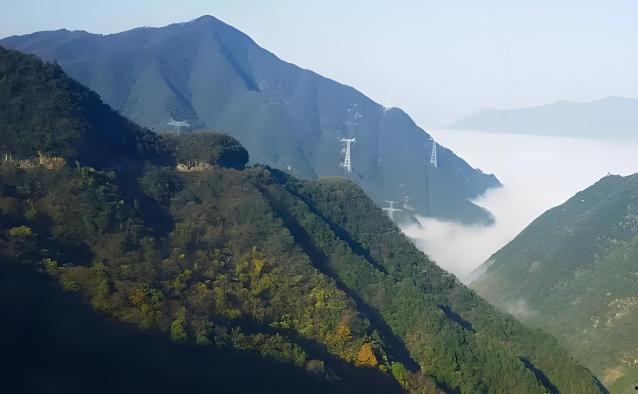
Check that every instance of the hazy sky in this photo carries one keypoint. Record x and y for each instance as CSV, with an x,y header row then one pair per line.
x,y
439,60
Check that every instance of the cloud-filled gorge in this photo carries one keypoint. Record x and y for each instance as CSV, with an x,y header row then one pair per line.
x,y
538,173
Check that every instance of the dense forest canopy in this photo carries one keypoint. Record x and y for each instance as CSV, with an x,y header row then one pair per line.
x,y
250,260
580,256
210,148
43,110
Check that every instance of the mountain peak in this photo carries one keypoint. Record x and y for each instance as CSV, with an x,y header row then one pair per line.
x,y
208,21
206,18
213,76
614,99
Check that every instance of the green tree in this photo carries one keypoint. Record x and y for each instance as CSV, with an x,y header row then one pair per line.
x,y
178,327
23,245
400,373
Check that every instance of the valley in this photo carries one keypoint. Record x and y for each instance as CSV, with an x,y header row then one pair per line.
x,y
413,197
538,173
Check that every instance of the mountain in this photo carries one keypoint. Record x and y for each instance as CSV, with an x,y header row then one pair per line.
x,y
612,118
65,118
185,269
573,273
215,77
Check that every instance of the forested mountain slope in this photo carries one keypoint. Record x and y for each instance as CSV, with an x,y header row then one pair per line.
x,y
177,238
44,110
574,273
215,77
53,342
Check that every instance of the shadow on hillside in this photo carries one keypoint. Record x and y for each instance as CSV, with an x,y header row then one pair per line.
x,y
357,379
52,342
322,262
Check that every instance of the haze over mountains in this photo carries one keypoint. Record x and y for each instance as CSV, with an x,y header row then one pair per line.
x,y
611,118
573,273
215,77
242,255
173,234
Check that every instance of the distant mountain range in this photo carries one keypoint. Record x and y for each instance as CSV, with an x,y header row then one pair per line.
x,y
215,77
612,118
168,265
574,273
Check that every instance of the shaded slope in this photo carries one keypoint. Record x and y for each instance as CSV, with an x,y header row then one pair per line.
x,y
53,342
578,257
62,117
216,77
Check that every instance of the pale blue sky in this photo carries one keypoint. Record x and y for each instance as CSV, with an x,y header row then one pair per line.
x,y
437,59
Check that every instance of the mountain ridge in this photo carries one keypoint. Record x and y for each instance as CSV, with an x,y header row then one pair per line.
x,y
214,76
608,118
208,252
579,256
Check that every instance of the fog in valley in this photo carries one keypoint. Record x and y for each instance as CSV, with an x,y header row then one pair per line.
x,y
538,173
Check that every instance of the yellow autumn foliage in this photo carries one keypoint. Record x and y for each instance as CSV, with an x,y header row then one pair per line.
x,y
343,331
366,356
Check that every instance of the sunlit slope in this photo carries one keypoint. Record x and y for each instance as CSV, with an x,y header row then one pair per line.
x,y
574,273
182,240
214,76
57,343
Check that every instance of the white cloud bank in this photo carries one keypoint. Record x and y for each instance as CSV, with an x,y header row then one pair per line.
x,y
538,173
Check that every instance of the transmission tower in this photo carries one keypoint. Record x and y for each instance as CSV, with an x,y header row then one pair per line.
x,y
178,124
433,159
434,163
391,209
347,162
